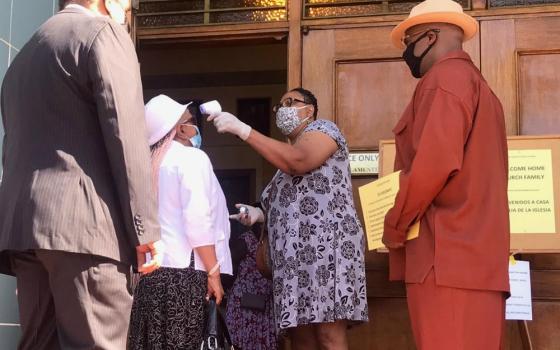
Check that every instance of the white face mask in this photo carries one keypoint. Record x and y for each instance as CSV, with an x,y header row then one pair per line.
x,y
287,119
116,11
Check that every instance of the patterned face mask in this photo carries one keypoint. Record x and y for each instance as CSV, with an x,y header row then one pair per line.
x,y
287,119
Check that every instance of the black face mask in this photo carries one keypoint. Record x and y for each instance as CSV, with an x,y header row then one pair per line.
x,y
412,61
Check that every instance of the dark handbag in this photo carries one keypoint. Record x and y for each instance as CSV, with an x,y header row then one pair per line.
x,y
263,258
253,301
216,335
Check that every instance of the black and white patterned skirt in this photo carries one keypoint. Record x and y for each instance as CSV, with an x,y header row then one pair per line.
x,y
168,310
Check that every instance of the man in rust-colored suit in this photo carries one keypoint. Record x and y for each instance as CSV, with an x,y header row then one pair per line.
x,y
452,150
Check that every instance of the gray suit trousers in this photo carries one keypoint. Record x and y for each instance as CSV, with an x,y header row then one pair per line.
x,y
71,301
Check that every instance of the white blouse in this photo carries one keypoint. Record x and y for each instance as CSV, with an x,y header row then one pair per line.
x,y
192,209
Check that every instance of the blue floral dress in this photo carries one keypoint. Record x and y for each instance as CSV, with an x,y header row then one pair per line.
x,y
316,241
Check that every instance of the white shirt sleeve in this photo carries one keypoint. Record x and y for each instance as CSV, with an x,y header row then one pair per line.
x,y
196,196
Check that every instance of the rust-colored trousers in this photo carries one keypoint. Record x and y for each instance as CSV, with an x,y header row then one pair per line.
x,y
455,319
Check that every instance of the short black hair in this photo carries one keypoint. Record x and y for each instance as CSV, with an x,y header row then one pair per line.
x,y
194,110
308,98
63,3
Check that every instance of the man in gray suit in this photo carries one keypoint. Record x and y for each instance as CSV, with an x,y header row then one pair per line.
x,y
76,203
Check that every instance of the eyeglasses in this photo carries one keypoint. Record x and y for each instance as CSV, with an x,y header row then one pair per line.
x,y
288,102
406,40
191,121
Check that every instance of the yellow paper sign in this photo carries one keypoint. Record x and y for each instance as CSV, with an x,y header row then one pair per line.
x,y
512,260
530,191
377,198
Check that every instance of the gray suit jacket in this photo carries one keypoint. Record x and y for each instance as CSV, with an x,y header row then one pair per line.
x,y
76,161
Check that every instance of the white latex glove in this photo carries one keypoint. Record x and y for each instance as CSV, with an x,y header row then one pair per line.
x,y
227,122
252,216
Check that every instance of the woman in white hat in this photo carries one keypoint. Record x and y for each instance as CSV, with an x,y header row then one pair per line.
x,y
168,308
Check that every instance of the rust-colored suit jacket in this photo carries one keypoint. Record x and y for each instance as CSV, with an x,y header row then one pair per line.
x,y
452,150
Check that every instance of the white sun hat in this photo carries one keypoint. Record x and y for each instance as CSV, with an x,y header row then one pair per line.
x,y
436,11
162,114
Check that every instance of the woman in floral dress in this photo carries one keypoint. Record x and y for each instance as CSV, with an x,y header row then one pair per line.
x,y
316,240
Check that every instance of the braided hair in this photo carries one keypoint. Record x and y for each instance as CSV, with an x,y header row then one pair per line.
x,y
194,110
157,152
308,98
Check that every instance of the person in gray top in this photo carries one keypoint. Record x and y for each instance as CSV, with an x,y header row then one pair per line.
x,y
76,205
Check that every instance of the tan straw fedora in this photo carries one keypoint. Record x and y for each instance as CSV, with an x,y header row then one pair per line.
x,y
436,11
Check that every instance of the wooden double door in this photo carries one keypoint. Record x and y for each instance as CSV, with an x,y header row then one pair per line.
x,y
362,84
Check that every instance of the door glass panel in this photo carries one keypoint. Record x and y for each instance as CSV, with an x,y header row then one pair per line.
x,y
347,8
512,3
162,13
